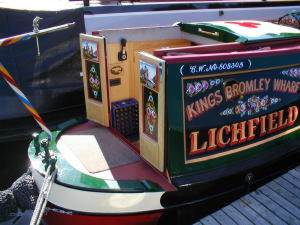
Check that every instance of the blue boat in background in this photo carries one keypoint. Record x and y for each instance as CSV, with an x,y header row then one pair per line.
x,y
52,80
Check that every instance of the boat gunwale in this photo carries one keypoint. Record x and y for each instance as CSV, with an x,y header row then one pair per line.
x,y
194,57
242,187
57,133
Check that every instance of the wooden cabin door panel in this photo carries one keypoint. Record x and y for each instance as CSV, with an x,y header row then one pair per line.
x,y
152,109
95,78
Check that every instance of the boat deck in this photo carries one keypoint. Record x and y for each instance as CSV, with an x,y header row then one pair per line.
x,y
277,202
96,151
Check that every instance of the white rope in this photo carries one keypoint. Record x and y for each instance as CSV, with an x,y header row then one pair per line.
x,y
43,197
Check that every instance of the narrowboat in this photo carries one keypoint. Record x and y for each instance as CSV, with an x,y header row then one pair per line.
x,y
39,76
173,112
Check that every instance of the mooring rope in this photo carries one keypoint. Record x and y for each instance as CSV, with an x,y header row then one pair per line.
x,y
43,196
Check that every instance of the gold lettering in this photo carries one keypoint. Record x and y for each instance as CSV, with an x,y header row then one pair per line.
x,y
292,115
212,139
235,90
211,100
272,125
263,130
218,97
194,143
252,127
238,129
191,112
242,87
281,124
220,134
267,83
261,84
249,86
228,93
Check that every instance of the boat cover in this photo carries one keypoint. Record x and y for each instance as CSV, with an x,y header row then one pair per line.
x,y
48,80
243,31
291,19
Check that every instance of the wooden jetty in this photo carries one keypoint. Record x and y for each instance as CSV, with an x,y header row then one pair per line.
x,y
277,202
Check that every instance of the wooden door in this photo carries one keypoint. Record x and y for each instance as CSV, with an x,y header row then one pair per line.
x,y
152,108
95,78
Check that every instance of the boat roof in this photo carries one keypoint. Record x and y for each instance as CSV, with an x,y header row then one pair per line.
x,y
242,31
121,6
38,5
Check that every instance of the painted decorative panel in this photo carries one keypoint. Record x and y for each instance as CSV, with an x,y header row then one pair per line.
x,y
150,113
90,50
93,80
235,110
223,111
149,75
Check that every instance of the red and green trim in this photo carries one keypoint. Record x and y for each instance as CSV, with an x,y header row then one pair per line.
x,y
70,177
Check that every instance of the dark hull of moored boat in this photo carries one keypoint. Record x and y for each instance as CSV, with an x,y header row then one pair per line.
x,y
52,80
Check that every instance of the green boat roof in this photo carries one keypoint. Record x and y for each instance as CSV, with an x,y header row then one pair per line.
x,y
243,31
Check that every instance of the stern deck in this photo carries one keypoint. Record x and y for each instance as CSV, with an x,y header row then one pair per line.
x,y
96,151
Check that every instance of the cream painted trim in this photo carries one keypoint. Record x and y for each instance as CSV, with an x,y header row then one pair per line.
x,y
100,202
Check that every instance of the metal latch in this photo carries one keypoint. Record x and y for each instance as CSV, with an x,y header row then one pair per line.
x,y
122,55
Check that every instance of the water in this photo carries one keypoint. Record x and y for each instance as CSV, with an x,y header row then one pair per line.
x,y
13,161
21,218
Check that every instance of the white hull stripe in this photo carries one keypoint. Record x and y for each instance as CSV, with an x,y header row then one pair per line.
x,y
100,202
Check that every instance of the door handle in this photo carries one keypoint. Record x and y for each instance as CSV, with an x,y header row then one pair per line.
x,y
122,55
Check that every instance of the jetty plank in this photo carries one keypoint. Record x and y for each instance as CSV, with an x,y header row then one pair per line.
x,y
252,215
295,174
223,218
277,202
236,215
262,210
208,220
281,201
274,207
289,196
288,186
291,179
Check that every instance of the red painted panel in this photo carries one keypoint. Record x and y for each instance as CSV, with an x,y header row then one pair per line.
x,y
231,55
56,218
225,47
